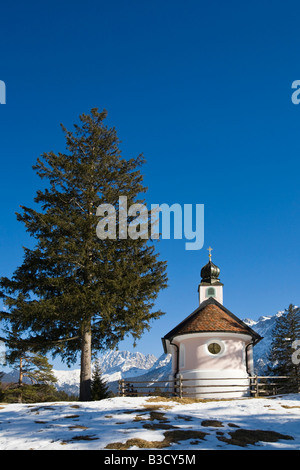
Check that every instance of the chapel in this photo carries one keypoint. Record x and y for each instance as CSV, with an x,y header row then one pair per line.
x,y
212,347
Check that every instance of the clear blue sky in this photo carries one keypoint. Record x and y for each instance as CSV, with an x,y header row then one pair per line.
x,y
203,89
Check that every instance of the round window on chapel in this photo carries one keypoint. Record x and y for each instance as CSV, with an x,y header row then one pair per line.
x,y
214,348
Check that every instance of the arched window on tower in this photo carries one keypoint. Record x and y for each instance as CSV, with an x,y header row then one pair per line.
x,y
210,292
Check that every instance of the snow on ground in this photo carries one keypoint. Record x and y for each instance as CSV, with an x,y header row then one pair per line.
x,y
133,423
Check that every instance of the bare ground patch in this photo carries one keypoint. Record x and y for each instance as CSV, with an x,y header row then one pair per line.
x,y
287,407
77,426
214,423
170,437
188,400
244,437
83,437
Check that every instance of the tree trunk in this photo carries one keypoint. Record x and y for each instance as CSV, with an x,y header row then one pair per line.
x,y
20,380
85,368
21,372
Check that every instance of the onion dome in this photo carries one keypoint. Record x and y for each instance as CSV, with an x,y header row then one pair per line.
x,y
210,272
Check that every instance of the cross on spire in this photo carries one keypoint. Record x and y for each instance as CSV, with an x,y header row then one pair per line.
x,y
209,255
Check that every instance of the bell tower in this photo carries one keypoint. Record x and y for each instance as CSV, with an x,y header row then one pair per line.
x,y
210,285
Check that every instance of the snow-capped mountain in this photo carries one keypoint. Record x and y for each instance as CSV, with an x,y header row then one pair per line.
x,y
264,327
160,370
114,365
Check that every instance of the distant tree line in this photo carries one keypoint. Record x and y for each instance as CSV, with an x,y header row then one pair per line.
x,y
36,381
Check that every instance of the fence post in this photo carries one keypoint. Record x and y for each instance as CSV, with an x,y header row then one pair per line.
x,y
180,386
256,386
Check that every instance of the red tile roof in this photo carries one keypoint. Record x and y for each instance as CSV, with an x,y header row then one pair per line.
x,y
211,316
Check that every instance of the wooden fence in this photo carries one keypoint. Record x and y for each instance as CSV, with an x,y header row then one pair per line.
x,y
180,387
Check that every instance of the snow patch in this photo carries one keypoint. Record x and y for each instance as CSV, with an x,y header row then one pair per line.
x,y
107,423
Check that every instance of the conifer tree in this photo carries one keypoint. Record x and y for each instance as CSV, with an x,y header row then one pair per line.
x,y
75,293
27,361
36,369
285,332
99,386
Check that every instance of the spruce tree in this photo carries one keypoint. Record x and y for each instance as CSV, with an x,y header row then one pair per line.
x,y
285,332
99,386
75,293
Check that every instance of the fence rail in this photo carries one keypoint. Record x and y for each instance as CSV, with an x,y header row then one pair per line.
x,y
256,386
